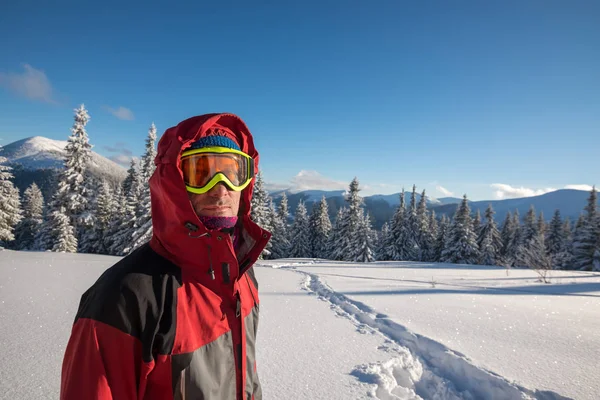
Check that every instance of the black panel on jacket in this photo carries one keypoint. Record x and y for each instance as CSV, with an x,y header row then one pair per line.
x,y
137,295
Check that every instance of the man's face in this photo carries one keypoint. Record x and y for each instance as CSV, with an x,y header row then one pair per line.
x,y
217,202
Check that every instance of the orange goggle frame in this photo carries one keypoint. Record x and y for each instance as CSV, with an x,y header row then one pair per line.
x,y
205,167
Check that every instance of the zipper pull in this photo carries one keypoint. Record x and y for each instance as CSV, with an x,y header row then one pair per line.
x,y
238,308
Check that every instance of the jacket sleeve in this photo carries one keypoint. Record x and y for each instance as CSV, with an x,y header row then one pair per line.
x,y
101,363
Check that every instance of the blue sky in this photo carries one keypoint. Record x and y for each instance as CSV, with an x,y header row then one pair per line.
x,y
492,99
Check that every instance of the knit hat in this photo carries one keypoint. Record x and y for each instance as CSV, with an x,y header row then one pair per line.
x,y
221,137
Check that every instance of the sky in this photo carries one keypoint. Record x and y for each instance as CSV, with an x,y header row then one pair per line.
x,y
489,99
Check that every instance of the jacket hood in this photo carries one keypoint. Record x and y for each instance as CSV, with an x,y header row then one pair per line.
x,y
175,223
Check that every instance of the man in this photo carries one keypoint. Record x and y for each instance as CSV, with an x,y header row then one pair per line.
x,y
177,318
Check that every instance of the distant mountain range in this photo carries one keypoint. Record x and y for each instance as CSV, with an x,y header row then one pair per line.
x,y
39,159
381,207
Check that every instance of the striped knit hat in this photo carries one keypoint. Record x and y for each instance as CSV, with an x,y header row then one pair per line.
x,y
217,137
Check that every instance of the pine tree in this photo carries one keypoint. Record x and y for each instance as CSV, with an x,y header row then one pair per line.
x,y
383,253
596,264
280,243
366,239
122,237
320,229
461,247
412,244
530,244
507,235
62,233
424,234
337,238
142,231
71,194
10,205
566,260
131,177
441,238
118,213
147,163
347,239
586,235
541,224
260,203
477,224
490,239
280,238
95,239
394,241
556,241
300,233
33,209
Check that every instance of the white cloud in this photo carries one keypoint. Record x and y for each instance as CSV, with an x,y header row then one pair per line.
x,y
587,188
31,83
121,159
312,180
123,113
444,191
504,191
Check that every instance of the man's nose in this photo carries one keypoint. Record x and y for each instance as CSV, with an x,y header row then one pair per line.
x,y
219,190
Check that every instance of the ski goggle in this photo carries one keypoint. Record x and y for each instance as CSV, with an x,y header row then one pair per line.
x,y
205,167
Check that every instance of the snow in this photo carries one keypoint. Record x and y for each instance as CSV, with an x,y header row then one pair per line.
x,y
337,330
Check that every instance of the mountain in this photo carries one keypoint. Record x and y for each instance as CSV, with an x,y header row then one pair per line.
x,y
38,159
570,203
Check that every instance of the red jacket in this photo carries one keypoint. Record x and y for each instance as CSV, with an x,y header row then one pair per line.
x,y
177,318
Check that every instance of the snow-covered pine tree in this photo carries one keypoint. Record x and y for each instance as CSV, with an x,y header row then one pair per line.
x,y
337,238
541,224
511,247
529,243
300,233
62,233
461,246
394,242
382,252
10,205
259,211
441,238
596,264
71,194
86,221
142,232
586,235
117,216
280,239
131,177
365,240
147,163
122,238
280,244
489,240
567,256
412,244
507,234
477,224
425,236
33,209
320,229
556,241
95,240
